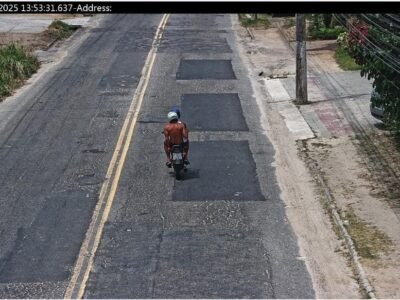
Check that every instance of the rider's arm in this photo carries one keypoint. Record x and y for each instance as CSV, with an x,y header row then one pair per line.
x,y
185,133
166,135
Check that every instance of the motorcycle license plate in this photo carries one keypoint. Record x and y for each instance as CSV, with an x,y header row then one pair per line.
x,y
177,156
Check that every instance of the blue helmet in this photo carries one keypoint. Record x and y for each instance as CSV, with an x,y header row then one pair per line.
x,y
177,111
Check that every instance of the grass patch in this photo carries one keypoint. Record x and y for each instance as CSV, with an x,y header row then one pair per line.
x,y
345,61
261,21
325,33
368,240
16,65
60,30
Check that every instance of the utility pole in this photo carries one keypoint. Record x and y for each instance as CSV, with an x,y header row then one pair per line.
x,y
301,60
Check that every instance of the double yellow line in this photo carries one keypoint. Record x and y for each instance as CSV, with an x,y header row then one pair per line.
x,y
84,264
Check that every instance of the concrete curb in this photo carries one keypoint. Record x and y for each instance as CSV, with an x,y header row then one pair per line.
x,y
294,120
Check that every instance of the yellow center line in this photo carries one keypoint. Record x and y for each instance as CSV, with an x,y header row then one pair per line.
x,y
84,264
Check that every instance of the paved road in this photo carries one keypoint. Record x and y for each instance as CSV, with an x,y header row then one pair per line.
x,y
220,233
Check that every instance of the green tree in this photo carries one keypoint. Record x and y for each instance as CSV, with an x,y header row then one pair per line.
x,y
377,52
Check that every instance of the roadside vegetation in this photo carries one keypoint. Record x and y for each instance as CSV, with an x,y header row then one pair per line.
x,y
16,65
60,30
326,27
323,27
342,55
345,61
369,43
368,240
255,20
374,45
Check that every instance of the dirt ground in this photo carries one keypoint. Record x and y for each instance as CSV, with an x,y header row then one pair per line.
x,y
355,191
352,181
30,41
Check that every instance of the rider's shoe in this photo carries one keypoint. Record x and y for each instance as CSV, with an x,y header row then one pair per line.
x,y
168,164
186,162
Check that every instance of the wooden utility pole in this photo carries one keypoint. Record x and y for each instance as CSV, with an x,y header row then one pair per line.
x,y
301,60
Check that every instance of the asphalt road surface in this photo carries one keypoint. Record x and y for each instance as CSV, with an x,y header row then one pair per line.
x,y
220,233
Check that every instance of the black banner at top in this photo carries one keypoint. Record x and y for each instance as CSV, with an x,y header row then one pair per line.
x,y
273,7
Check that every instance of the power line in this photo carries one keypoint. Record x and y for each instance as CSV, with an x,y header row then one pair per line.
x,y
393,17
390,45
365,17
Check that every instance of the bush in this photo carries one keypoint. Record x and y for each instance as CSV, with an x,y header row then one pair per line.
x,y
376,66
342,40
16,65
59,29
326,33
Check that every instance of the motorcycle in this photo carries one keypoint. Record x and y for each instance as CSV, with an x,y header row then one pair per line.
x,y
177,161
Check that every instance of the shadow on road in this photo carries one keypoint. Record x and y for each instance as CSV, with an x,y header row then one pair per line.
x,y
189,174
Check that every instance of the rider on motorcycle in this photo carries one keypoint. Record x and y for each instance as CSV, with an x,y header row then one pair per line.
x,y
186,143
176,133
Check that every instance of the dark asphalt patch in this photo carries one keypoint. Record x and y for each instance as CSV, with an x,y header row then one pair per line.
x,y
213,112
145,261
225,171
205,69
47,250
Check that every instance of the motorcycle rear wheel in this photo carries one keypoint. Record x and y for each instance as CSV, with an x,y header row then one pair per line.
x,y
177,170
